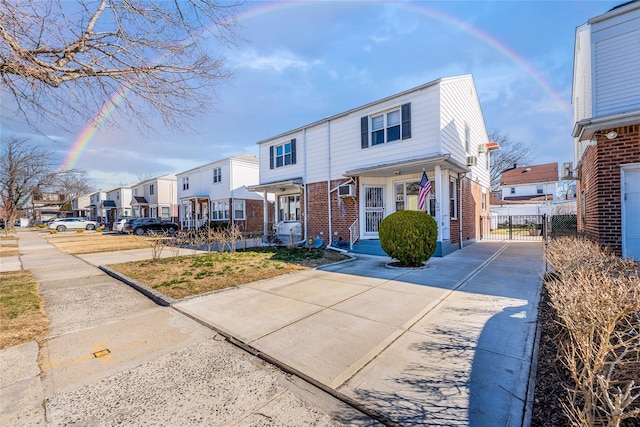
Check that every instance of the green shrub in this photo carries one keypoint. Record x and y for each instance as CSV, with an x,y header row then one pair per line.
x,y
409,236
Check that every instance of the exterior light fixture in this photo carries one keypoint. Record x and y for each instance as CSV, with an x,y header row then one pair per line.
x,y
612,135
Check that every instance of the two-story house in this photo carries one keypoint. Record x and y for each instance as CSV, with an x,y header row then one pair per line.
x,y
337,178
97,209
80,206
218,191
119,203
606,100
155,198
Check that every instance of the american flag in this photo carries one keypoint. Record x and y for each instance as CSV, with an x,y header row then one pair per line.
x,y
425,189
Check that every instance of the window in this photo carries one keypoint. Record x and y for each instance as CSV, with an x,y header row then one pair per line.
x,y
282,155
488,158
220,210
151,190
453,198
467,139
135,191
539,189
289,207
238,209
386,127
407,197
484,200
512,190
165,212
217,175
185,183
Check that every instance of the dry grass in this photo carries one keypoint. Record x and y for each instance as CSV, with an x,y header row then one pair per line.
x,y
92,242
22,315
192,275
9,249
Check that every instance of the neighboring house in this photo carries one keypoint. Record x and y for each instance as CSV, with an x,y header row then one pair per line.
x,y
155,198
46,206
530,183
606,100
218,191
97,210
80,206
118,203
337,178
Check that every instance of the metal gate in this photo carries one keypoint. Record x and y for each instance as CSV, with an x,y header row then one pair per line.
x,y
513,227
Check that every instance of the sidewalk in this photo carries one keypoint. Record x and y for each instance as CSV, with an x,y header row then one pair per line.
x,y
447,345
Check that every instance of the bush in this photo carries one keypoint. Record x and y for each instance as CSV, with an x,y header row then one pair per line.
x,y
409,236
596,296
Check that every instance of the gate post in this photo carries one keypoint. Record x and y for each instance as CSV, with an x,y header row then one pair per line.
x,y
544,227
510,228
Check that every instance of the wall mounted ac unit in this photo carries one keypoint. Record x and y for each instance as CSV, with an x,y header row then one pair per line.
x,y
482,148
347,190
472,160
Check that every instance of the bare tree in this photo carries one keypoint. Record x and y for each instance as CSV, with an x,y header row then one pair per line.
x,y
24,170
511,153
66,60
73,183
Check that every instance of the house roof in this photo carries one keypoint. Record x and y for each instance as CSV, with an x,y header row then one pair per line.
x,y
408,166
139,200
530,174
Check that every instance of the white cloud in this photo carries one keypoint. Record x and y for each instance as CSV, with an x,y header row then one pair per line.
x,y
278,61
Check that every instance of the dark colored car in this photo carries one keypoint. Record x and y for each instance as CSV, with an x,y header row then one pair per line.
x,y
140,226
1,223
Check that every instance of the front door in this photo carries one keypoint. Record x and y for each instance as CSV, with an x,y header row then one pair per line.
x,y
631,212
373,210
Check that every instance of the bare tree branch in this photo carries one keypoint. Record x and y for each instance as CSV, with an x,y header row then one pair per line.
x,y
511,153
62,61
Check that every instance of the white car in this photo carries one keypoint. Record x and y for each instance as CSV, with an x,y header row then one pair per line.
x,y
118,225
62,224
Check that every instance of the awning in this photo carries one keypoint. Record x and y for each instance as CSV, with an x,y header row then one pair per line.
x,y
194,198
409,167
278,187
108,204
138,201
585,129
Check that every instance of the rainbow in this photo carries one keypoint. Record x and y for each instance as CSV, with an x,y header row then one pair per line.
x,y
91,128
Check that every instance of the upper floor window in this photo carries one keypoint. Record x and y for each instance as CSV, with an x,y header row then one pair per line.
x,y
386,127
217,175
539,189
512,190
185,183
467,139
151,189
282,155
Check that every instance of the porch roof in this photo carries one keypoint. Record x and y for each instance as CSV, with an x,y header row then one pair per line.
x,y
586,129
278,186
410,166
194,198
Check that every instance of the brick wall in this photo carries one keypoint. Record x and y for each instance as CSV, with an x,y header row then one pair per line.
x,y
344,211
254,213
599,193
470,201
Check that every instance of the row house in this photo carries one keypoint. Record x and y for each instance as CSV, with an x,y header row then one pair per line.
x,y
97,209
606,100
119,203
156,198
337,178
218,191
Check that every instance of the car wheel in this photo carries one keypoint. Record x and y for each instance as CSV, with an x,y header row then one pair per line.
x,y
61,228
91,227
139,231
171,230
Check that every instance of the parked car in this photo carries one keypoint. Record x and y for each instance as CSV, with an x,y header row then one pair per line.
x,y
1,223
118,225
140,226
73,223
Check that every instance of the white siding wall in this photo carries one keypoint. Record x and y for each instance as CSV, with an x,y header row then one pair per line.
x,y
582,74
460,107
286,172
529,189
616,63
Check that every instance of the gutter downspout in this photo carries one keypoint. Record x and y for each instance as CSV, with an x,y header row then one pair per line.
x,y
460,208
305,186
330,237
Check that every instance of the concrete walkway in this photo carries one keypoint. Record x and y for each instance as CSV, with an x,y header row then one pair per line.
x,y
112,357
447,345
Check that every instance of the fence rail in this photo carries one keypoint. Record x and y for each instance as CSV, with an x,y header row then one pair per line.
x,y
513,227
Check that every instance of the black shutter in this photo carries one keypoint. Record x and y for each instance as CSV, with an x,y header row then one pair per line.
x,y
364,132
271,157
293,151
406,121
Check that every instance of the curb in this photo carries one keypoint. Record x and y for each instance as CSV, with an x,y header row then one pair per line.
x,y
152,294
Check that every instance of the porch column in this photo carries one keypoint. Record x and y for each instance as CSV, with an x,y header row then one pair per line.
x,y
438,174
265,212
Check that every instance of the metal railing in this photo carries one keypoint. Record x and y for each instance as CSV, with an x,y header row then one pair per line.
x,y
513,227
354,233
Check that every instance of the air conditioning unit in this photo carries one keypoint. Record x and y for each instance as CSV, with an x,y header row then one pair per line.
x,y
482,148
472,160
347,190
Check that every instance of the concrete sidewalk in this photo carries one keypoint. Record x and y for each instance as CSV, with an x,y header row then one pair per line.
x,y
450,344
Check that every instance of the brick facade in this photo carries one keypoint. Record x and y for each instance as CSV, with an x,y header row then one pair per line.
x,y
599,193
254,213
470,210
344,211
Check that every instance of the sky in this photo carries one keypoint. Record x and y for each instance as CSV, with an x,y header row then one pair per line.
x,y
298,62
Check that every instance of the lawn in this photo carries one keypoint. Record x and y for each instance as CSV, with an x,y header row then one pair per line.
x,y
75,243
193,275
9,249
22,315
